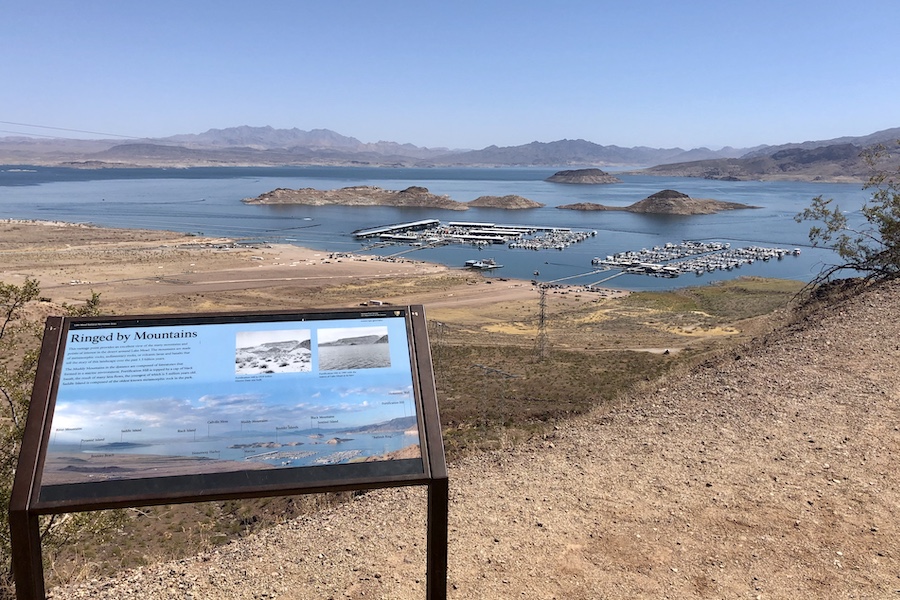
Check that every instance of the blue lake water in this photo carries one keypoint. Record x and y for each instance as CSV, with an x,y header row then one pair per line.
x,y
309,452
208,201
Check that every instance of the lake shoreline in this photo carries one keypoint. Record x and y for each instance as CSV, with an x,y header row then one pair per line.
x,y
208,202
138,270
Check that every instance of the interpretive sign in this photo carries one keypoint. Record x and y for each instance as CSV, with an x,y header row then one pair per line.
x,y
265,397
131,411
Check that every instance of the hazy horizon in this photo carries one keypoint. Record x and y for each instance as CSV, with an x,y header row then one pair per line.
x,y
460,76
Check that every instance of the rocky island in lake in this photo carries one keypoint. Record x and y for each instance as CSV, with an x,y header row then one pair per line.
x,y
583,176
666,202
367,195
511,202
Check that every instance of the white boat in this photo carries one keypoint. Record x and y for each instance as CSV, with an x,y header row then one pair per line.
x,y
482,263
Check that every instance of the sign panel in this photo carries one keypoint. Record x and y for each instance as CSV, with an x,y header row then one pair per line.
x,y
166,407
134,411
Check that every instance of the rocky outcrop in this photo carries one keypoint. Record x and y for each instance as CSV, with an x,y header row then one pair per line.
x,y
666,202
511,201
583,176
589,206
359,195
367,195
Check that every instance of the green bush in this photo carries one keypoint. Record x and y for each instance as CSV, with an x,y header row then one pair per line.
x,y
19,349
872,249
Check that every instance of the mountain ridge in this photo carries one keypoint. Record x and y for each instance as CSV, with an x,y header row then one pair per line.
x,y
833,163
267,146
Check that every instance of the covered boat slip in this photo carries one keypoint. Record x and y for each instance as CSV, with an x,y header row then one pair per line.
x,y
430,232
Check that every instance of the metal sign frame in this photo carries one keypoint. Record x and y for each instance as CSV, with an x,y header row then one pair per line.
x,y
120,358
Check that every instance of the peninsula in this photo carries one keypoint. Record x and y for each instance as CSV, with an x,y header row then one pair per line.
x,y
666,202
367,195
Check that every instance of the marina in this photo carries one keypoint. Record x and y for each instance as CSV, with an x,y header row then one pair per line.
x,y
430,232
669,260
672,260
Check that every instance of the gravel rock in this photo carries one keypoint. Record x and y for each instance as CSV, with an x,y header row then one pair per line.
x,y
769,473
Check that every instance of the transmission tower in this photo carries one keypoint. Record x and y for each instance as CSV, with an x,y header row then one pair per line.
x,y
541,345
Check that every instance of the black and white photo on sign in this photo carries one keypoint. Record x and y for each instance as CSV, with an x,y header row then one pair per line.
x,y
280,351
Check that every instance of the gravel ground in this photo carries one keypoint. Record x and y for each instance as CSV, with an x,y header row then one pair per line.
x,y
770,473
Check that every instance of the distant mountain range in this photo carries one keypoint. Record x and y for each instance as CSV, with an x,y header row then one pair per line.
x,y
839,160
578,153
836,159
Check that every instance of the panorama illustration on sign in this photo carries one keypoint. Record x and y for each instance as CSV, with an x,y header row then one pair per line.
x,y
158,401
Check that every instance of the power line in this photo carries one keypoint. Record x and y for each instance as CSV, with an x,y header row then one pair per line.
x,y
56,137
67,129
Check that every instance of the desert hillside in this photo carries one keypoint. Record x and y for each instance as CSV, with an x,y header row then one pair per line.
x,y
769,472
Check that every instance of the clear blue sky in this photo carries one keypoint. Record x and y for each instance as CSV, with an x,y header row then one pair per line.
x,y
460,74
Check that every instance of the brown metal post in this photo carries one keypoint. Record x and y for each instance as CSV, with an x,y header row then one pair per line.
x,y
439,486
27,565
438,524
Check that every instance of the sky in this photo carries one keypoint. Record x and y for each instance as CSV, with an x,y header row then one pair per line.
x,y
461,74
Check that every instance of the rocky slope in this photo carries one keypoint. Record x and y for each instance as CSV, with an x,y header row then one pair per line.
x,y
767,473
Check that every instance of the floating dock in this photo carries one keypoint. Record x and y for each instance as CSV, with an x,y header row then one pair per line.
x,y
430,232
395,229
673,260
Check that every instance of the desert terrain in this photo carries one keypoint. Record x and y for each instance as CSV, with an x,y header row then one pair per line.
x,y
764,470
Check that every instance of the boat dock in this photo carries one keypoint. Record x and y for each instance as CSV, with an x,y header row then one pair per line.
x,y
673,260
389,230
430,232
